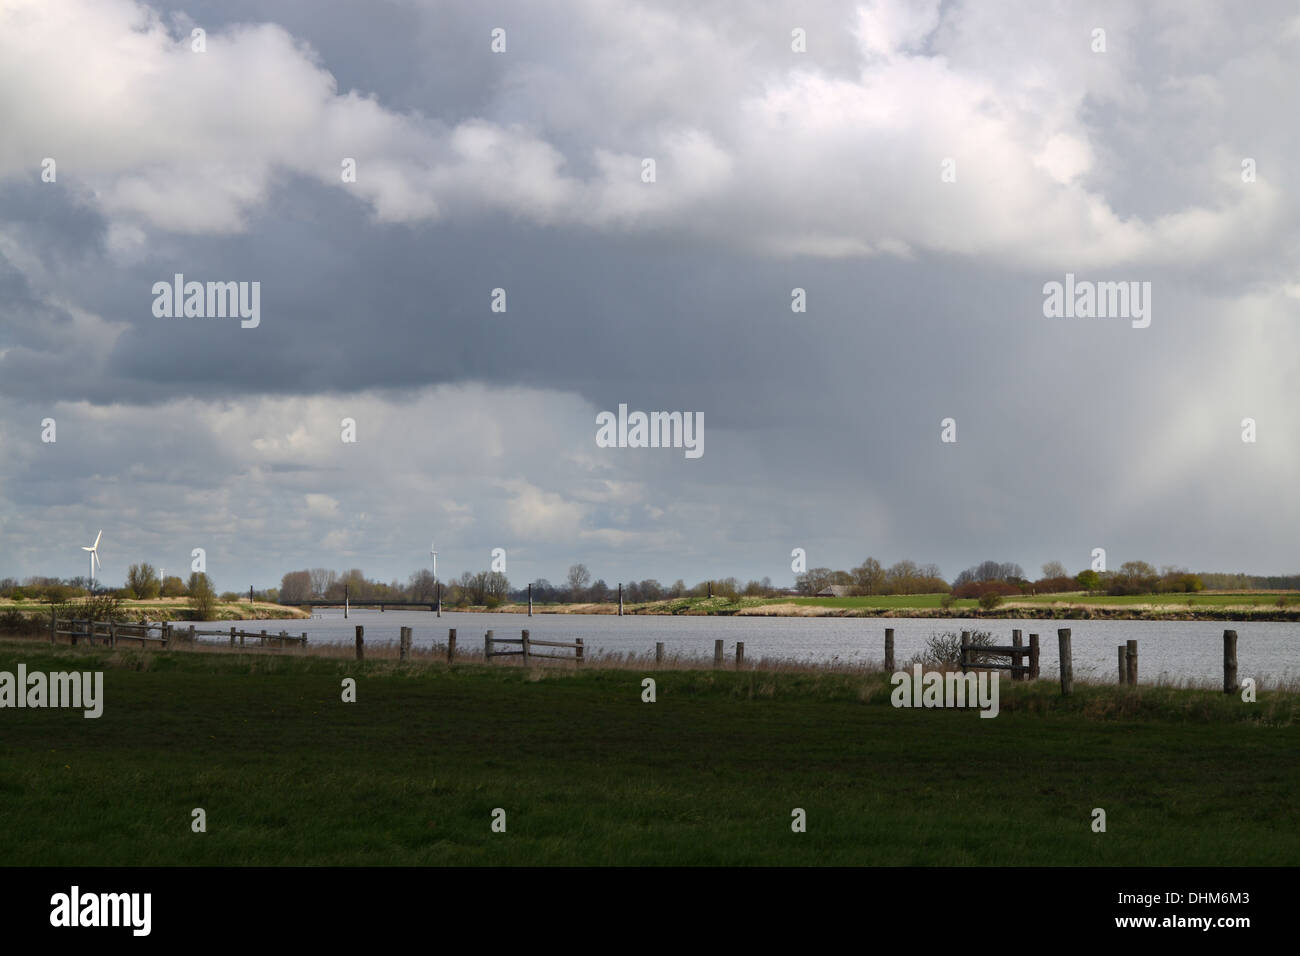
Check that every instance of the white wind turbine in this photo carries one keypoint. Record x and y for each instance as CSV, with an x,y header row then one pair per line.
x,y
94,557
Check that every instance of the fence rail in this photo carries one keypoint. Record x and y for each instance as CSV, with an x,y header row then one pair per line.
x,y
526,644
972,655
262,637
110,632
161,633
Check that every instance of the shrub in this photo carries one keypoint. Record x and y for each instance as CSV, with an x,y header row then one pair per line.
x,y
203,600
975,589
990,599
14,621
1056,585
946,600
98,607
944,649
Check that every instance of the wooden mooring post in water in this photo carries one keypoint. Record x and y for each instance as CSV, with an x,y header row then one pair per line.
x,y
717,653
1229,662
659,652
451,645
361,643
1033,657
1131,663
1123,664
1067,661
740,655
889,650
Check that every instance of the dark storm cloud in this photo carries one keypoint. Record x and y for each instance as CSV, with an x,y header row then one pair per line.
x,y
822,428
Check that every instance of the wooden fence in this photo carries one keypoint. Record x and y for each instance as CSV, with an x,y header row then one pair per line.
x,y
526,645
973,655
1022,658
262,637
161,634
1127,657
109,632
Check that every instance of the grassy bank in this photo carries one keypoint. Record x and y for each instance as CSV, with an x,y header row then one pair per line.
x,y
589,774
171,609
1207,606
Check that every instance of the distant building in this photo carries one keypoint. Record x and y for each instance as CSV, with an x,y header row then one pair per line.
x,y
835,590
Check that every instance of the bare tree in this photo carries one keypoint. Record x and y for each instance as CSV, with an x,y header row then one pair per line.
x,y
579,578
321,579
421,586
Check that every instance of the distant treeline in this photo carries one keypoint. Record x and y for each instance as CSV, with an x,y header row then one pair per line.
x,y
1007,579
492,588
142,583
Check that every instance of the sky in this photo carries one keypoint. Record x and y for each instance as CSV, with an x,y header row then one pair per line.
x,y
922,171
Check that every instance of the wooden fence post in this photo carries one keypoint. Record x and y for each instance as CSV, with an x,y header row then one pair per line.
x,y
889,650
361,643
1123,664
72,632
112,634
1033,657
524,645
1229,662
451,645
487,647
659,652
401,643
54,624
964,661
717,653
740,654
580,649
1017,671
1067,661
1132,662
232,635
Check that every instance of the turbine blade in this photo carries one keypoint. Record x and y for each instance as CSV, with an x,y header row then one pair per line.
x,y
87,549
98,536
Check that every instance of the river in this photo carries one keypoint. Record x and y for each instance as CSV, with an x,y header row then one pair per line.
x,y
1180,651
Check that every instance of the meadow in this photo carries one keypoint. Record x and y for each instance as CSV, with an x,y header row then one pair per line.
x,y
589,774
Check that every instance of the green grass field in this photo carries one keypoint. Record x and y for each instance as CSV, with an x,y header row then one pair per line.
x,y
589,774
169,609
882,601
